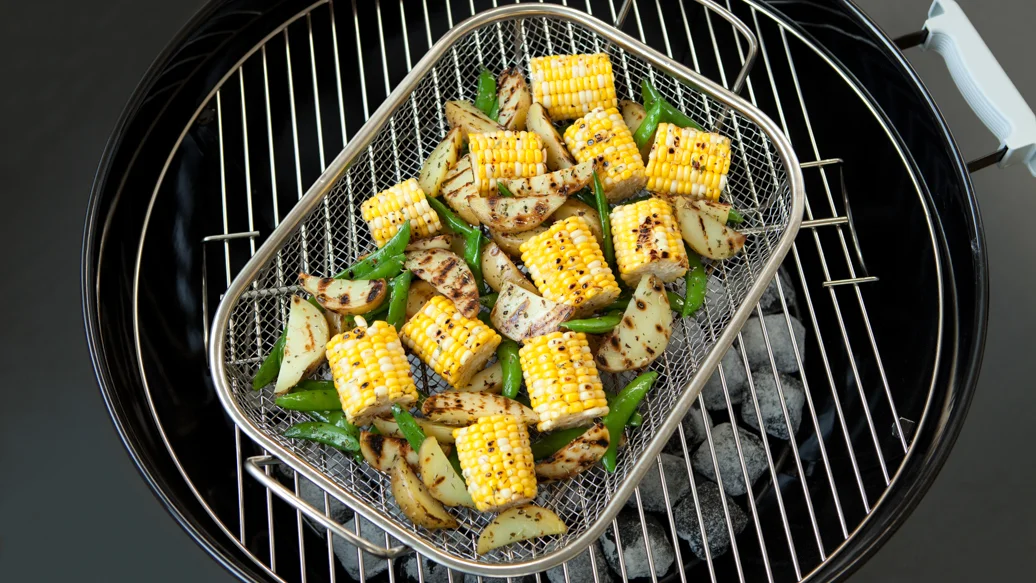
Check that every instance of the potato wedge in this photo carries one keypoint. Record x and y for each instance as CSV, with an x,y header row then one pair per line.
x,y
443,157
382,451
517,524
468,118
563,182
574,207
345,296
511,242
643,333
515,214
442,433
459,188
335,323
576,457
498,269
449,275
514,98
415,501
303,345
488,380
420,292
440,478
457,408
633,114
538,122
437,242
520,314
706,235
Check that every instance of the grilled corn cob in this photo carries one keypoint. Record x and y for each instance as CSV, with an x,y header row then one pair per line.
x,y
602,134
386,212
454,346
564,387
567,266
370,371
686,161
505,154
647,241
571,85
496,460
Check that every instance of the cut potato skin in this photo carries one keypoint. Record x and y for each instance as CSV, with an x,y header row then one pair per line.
x,y
514,98
443,433
511,242
437,242
459,187
564,182
440,478
346,297
538,122
468,118
449,275
633,114
576,457
519,314
303,345
458,408
488,380
420,292
507,214
498,269
415,501
517,524
443,157
643,332
382,451
574,207
704,234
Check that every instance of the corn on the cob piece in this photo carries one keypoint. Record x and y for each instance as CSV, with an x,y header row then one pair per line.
x,y
686,161
496,459
571,85
386,212
602,135
564,387
454,346
647,241
567,266
505,154
370,371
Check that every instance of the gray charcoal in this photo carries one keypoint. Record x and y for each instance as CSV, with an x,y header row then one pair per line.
x,y
634,553
780,343
736,377
770,301
433,572
581,570
716,300
677,485
346,553
715,520
693,432
469,578
770,404
728,460
314,495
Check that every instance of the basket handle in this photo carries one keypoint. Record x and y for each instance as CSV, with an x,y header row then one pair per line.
x,y
254,466
983,83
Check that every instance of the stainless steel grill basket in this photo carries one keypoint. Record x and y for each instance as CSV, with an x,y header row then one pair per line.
x,y
325,232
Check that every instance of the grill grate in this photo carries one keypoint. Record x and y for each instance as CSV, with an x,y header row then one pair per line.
x,y
310,53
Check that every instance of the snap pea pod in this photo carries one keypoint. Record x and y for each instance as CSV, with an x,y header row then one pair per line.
x,y
503,190
316,304
676,301
620,303
549,444
696,280
648,127
636,420
486,98
315,400
395,246
473,238
324,433
455,462
586,197
598,325
337,418
400,287
488,300
408,427
735,217
606,228
648,94
670,114
507,354
378,312
313,385
484,318
271,366
635,199
620,411
387,269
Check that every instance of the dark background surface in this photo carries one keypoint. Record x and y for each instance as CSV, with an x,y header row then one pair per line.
x,y
73,507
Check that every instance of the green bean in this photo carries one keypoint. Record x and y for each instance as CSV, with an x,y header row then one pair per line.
x,y
649,126
400,287
599,325
394,247
676,301
324,433
696,280
606,227
408,427
549,444
489,300
315,400
313,385
507,354
503,190
271,365
620,411
735,217
486,98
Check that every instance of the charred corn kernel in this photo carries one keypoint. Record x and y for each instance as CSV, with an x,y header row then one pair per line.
x,y
496,459
386,212
567,266
647,241
568,86
505,154
564,387
370,371
454,346
688,162
602,135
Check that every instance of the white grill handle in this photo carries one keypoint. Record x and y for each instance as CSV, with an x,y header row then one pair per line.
x,y
983,82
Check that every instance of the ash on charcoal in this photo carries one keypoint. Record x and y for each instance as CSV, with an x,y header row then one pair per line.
x,y
780,343
634,553
736,377
346,553
728,460
433,572
770,404
693,432
685,515
581,570
677,484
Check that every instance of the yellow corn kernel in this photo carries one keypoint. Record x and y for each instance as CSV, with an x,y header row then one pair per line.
x,y
370,371
505,154
386,212
602,135
647,240
569,86
496,459
454,346
564,387
688,162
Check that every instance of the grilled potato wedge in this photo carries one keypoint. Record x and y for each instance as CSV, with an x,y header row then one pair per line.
x,y
515,524
562,182
520,314
440,478
382,451
574,207
415,501
514,98
704,233
420,292
444,241
498,269
488,380
515,214
538,122
576,457
443,433
633,114
469,119
511,242
303,345
443,157
643,333
347,297
449,275
457,408
459,188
